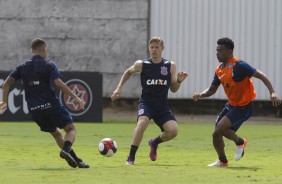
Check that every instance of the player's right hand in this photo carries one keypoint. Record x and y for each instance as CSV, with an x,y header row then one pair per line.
x,y
115,95
3,107
196,96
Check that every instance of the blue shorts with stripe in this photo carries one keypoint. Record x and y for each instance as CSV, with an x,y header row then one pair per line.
x,y
236,114
159,113
52,118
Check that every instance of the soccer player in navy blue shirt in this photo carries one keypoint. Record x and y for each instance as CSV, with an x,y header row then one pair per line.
x,y
46,110
158,75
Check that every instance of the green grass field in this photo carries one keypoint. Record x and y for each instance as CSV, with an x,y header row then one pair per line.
x,y
30,156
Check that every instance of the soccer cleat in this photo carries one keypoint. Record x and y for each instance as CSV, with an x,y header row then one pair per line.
x,y
218,163
129,161
82,165
65,155
240,150
153,151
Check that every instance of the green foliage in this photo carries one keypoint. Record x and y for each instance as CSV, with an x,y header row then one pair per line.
x,y
30,156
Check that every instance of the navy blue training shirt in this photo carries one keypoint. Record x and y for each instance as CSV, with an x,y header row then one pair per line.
x,y
36,75
155,81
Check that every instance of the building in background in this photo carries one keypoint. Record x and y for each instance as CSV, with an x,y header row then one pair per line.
x,y
95,36
108,36
190,29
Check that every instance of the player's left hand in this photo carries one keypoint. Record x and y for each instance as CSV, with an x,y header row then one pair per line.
x,y
275,100
181,76
80,102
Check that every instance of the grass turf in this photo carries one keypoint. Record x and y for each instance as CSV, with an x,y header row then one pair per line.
x,y
30,156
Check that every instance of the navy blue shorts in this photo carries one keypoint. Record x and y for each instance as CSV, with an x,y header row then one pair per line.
x,y
52,118
236,114
159,113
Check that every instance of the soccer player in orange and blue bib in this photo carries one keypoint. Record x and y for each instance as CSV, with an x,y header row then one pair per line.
x,y
235,77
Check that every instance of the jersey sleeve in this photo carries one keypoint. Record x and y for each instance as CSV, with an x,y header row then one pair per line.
x,y
16,73
54,71
242,70
216,81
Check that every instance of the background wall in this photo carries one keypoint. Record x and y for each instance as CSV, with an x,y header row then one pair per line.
x,y
106,36
190,29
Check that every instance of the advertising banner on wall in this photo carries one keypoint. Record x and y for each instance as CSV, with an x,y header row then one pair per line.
x,y
86,85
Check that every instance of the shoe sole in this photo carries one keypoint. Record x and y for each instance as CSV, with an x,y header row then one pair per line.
x,y
129,164
69,159
216,164
244,147
83,165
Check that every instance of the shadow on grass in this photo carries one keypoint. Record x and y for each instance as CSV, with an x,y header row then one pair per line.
x,y
163,165
243,168
53,169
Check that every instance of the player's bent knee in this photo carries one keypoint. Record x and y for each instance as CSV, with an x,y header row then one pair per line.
x,y
142,123
217,133
174,133
69,127
171,129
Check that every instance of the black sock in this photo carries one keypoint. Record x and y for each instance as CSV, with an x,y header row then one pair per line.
x,y
157,140
223,159
72,153
67,146
133,150
240,141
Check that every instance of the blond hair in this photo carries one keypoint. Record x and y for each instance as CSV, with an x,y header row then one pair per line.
x,y
157,39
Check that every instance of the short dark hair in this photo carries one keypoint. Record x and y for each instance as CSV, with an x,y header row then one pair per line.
x,y
37,43
227,42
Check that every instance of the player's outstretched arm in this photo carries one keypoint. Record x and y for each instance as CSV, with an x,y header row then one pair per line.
x,y
273,96
176,80
136,67
206,93
65,89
